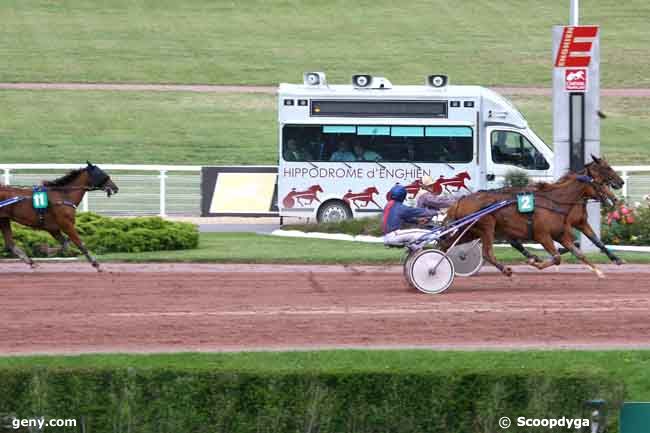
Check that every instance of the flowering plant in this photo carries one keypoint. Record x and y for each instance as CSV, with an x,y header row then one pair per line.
x,y
622,215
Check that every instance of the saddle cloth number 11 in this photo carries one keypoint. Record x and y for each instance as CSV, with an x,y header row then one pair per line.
x,y
39,199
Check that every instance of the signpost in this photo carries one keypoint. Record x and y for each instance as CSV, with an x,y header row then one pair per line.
x,y
576,102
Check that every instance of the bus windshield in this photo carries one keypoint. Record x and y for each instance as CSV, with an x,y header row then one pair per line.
x,y
372,143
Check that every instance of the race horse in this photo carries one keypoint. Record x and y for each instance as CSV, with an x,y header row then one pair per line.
x,y
61,198
559,207
294,196
365,197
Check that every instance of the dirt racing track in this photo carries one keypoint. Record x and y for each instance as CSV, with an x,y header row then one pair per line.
x,y
68,308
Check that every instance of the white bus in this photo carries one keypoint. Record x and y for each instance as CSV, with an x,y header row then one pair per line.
x,y
342,147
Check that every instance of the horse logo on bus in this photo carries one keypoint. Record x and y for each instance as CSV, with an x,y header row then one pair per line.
x,y
363,198
302,198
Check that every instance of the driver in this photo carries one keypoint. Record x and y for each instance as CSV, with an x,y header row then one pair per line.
x,y
396,214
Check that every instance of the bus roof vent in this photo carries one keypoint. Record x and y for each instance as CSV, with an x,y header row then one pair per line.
x,y
365,81
314,79
437,80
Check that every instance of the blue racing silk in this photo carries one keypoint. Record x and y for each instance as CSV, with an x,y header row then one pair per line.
x,y
396,214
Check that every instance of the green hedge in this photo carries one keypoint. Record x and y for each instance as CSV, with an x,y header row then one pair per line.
x,y
175,400
112,235
370,226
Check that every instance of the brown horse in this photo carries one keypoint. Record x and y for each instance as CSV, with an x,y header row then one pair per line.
x,y
63,196
603,176
559,207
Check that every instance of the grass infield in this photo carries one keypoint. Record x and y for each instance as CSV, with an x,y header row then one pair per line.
x,y
260,42
211,129
253,248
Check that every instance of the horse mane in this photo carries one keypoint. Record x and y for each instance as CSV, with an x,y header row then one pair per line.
x,y
65,179
561,182
541,186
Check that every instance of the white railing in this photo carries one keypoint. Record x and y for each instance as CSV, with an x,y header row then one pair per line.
x,y
639,188
144,189
176,189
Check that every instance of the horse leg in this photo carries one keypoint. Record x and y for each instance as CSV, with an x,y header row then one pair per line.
x,y
5,226
487,239
589,232
67,227
549,246
567,242
56,234
532,258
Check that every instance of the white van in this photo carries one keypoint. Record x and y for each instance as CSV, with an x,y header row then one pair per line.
x,y
342,147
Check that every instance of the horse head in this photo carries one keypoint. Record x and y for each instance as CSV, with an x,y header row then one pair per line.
x,y
603,173
371,190
597,191
464,175
99,180
315,189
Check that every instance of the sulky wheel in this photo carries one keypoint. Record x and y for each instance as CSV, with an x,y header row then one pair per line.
x,y
406,263
430,271
467,258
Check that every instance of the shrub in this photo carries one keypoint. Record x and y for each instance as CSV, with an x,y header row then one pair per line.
x,y
369,226
174,400
516,178
110,235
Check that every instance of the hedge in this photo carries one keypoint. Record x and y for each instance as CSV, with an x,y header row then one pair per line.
x,y
119,399
111,235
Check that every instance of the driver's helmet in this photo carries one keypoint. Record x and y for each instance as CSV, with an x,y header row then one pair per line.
x,y
397,193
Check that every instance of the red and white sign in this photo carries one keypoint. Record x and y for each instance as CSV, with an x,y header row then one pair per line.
x,y
575,46
575,79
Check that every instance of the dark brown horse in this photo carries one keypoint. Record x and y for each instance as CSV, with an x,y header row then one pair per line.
x,y
559,207
63,196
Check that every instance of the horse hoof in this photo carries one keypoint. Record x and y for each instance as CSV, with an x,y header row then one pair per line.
x,y
507,271
531,261
619,262
537,259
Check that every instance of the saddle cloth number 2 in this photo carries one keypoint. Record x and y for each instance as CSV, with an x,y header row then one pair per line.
x,y
526,203
39,199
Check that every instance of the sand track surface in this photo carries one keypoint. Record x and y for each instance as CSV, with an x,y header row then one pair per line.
x,y
69,308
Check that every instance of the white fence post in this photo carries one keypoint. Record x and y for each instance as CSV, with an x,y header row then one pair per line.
x,y
7,176
163,192
625,178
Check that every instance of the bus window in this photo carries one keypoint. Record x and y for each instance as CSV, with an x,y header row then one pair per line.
x,y
510,147
364,143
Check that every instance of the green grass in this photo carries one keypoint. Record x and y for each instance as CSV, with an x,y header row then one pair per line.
x,y
261,42
205,129
253,248
630,367
123,127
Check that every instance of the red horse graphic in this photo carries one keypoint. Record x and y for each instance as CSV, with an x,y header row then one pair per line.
x,y
413,188
302,197
366,196
457,181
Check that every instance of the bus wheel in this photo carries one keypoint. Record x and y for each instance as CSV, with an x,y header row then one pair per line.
x,y
333,211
